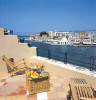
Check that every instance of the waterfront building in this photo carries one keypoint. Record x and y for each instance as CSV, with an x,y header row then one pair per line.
x,y
71,40
58,33
85,35
93,40
85,38
74,38
82,37
63,41
79,40
86,41
74,35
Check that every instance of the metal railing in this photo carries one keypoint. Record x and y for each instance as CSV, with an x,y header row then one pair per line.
x,y
69,57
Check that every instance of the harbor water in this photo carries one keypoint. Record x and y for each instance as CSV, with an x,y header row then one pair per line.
x,y
79,56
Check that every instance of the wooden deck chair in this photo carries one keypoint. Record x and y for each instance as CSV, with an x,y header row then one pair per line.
x,y
81,90
15,66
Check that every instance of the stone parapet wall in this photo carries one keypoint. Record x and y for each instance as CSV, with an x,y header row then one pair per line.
x,y
10,47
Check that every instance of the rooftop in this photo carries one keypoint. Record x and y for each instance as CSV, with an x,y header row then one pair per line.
x,y
83,33
14,88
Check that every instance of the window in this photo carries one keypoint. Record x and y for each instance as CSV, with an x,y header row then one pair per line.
x,y
57,34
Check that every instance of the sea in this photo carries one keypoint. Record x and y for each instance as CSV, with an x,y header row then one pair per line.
x,y
79,56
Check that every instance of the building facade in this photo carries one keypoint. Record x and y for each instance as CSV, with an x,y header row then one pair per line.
x,y
58,33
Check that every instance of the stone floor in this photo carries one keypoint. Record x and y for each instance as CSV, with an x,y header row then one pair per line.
x,y
14,88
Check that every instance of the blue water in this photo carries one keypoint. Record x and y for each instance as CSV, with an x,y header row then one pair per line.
x,y
82,56
23,36
88,51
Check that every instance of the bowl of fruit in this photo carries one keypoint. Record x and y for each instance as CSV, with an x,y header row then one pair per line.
x,y
37,73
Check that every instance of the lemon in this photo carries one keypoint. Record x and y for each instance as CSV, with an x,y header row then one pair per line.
x,y
43,74
34,76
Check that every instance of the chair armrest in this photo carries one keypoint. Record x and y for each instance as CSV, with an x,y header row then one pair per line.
x,y
20,60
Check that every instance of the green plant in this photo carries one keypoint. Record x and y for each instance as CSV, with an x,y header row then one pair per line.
x,y
22,40
43,33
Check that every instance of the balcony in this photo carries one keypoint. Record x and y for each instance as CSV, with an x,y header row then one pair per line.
x,y
15,87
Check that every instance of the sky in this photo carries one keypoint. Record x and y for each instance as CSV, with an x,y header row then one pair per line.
x,y
34,16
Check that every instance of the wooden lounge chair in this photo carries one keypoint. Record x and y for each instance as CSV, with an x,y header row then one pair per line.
x,y
81,90
15,66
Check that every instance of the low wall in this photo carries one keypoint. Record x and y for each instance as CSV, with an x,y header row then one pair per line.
x,y
10,47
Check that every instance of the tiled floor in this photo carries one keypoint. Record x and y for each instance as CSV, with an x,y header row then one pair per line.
x,y
14,88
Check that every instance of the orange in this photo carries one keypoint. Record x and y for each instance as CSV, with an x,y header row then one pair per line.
x,y
41,66
37,65
36,74
31,72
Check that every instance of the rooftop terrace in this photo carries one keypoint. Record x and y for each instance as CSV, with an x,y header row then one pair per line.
x,y
14,88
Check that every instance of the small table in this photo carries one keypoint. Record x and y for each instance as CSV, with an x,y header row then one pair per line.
x,y
37,85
